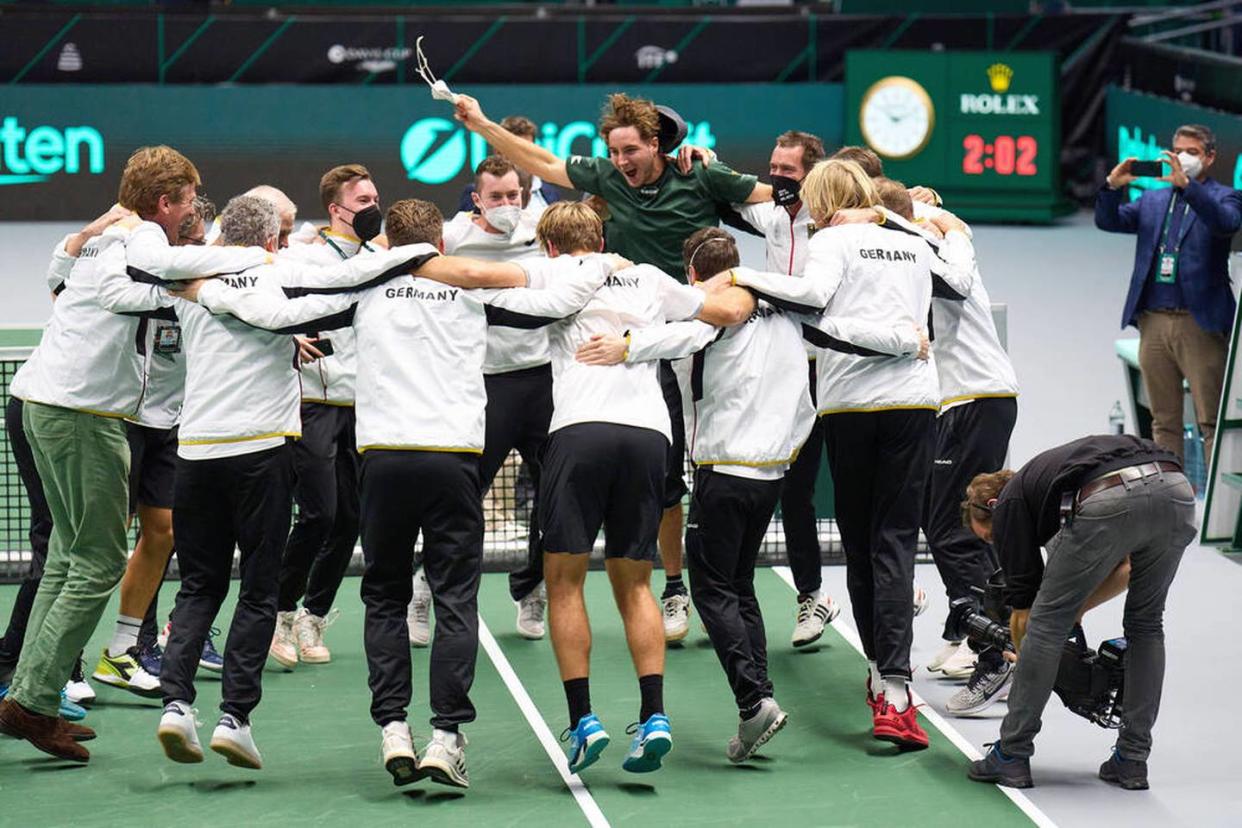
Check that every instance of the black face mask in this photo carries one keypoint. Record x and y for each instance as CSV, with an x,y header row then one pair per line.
x,y
785,190
367,222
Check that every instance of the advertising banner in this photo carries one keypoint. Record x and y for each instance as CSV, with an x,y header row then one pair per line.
x,y
62,148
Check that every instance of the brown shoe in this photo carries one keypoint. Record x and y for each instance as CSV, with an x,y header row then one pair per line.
x,y
77,732
44,732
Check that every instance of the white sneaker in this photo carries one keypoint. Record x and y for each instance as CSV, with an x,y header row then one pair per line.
x,y
984,689
284,649
397,751
676,610
178,733
753,733
530,613
232,740
961,664
942,655
76,689
444,760
418,617
921,601
815,613
308,629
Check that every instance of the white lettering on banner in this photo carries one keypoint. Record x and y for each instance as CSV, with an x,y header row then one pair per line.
x,y
1000,104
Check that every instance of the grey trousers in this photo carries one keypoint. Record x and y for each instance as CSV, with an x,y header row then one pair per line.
x,y
1152,521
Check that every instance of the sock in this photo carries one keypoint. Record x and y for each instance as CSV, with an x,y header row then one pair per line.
x,y
673,585
125,636
807,596
652,689
452,728
578,694
895,693
877,682
749,712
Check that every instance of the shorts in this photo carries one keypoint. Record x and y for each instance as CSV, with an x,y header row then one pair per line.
x,y
675,487
603,475
152,466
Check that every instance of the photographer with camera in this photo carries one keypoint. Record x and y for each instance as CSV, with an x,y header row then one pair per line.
x,y
1092,503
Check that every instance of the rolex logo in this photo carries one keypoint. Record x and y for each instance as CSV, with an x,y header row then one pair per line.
x,y
999,75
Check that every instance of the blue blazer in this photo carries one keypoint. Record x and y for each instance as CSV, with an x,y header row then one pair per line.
x,y
1203,260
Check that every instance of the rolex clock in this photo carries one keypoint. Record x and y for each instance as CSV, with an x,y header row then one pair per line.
x,y
896,117
981,128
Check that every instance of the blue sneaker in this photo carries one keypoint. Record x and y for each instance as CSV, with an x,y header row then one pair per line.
x,y
586,742
211,659
4,689
150,657
69,711
652,740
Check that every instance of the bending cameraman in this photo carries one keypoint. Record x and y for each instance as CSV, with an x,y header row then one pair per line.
x,y
1091,503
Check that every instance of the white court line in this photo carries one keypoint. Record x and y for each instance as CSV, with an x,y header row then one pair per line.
x,y
963,744
590,808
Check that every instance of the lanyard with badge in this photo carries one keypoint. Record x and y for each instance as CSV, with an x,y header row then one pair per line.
x,y
323,235
1166,272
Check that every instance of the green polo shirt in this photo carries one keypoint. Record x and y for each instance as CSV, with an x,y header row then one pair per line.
x,y
650,223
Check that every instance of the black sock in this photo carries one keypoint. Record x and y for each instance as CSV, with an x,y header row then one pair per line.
x,y
578,694
451,728
749,712
673,585
652,689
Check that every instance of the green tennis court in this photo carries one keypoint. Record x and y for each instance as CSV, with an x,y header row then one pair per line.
x,y
321,751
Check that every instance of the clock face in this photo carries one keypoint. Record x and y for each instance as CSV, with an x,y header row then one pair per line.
x,y
896,117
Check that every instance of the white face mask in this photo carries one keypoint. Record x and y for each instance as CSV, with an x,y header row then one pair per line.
x,y
1192,165
504,218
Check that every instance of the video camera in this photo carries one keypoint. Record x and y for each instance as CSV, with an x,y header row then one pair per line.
x,y
1090,683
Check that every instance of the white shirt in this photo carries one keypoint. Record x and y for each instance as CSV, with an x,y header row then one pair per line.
x,y
508,349
752,403
628,394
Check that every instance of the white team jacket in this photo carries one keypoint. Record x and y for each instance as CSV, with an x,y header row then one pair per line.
x,y
627,394
969,358
329,380
879,275
90,356
786,238
421,346
752,404
508,349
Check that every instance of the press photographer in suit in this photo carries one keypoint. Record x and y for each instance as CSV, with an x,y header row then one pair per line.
x,y
1179,297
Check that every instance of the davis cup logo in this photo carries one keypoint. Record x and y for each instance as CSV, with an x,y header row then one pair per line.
x,y
427,156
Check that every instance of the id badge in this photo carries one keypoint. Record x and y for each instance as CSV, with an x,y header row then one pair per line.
x,y
168,339
1166,274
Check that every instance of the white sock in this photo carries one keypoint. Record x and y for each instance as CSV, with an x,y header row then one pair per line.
x,y
895,693
877,681
125,636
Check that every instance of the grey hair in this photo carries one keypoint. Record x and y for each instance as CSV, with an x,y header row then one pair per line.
x,y
204,211
1200,133
249,221
284,205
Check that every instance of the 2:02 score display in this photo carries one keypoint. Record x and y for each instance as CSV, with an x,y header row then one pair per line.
x,y
1004,155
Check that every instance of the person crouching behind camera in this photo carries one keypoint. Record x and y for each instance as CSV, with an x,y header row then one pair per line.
x,y
1091,503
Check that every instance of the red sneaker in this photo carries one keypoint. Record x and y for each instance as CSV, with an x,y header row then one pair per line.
x,y
902,729
876,703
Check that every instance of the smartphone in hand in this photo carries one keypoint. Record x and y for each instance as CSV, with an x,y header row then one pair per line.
x,y
1147,169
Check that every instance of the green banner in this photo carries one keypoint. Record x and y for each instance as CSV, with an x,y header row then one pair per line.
x,y
63,148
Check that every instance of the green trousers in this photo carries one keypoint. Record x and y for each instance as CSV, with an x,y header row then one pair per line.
x,y
83,461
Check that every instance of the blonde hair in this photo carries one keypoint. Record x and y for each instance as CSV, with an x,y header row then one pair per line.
x,y
837,185
153,172
570,226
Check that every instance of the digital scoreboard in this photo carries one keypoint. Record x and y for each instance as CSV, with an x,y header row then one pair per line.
x,y
982,128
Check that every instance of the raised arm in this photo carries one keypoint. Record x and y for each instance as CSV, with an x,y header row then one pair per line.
x,y
356,272
116,291
1223,217
272,311
525,155
952,263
